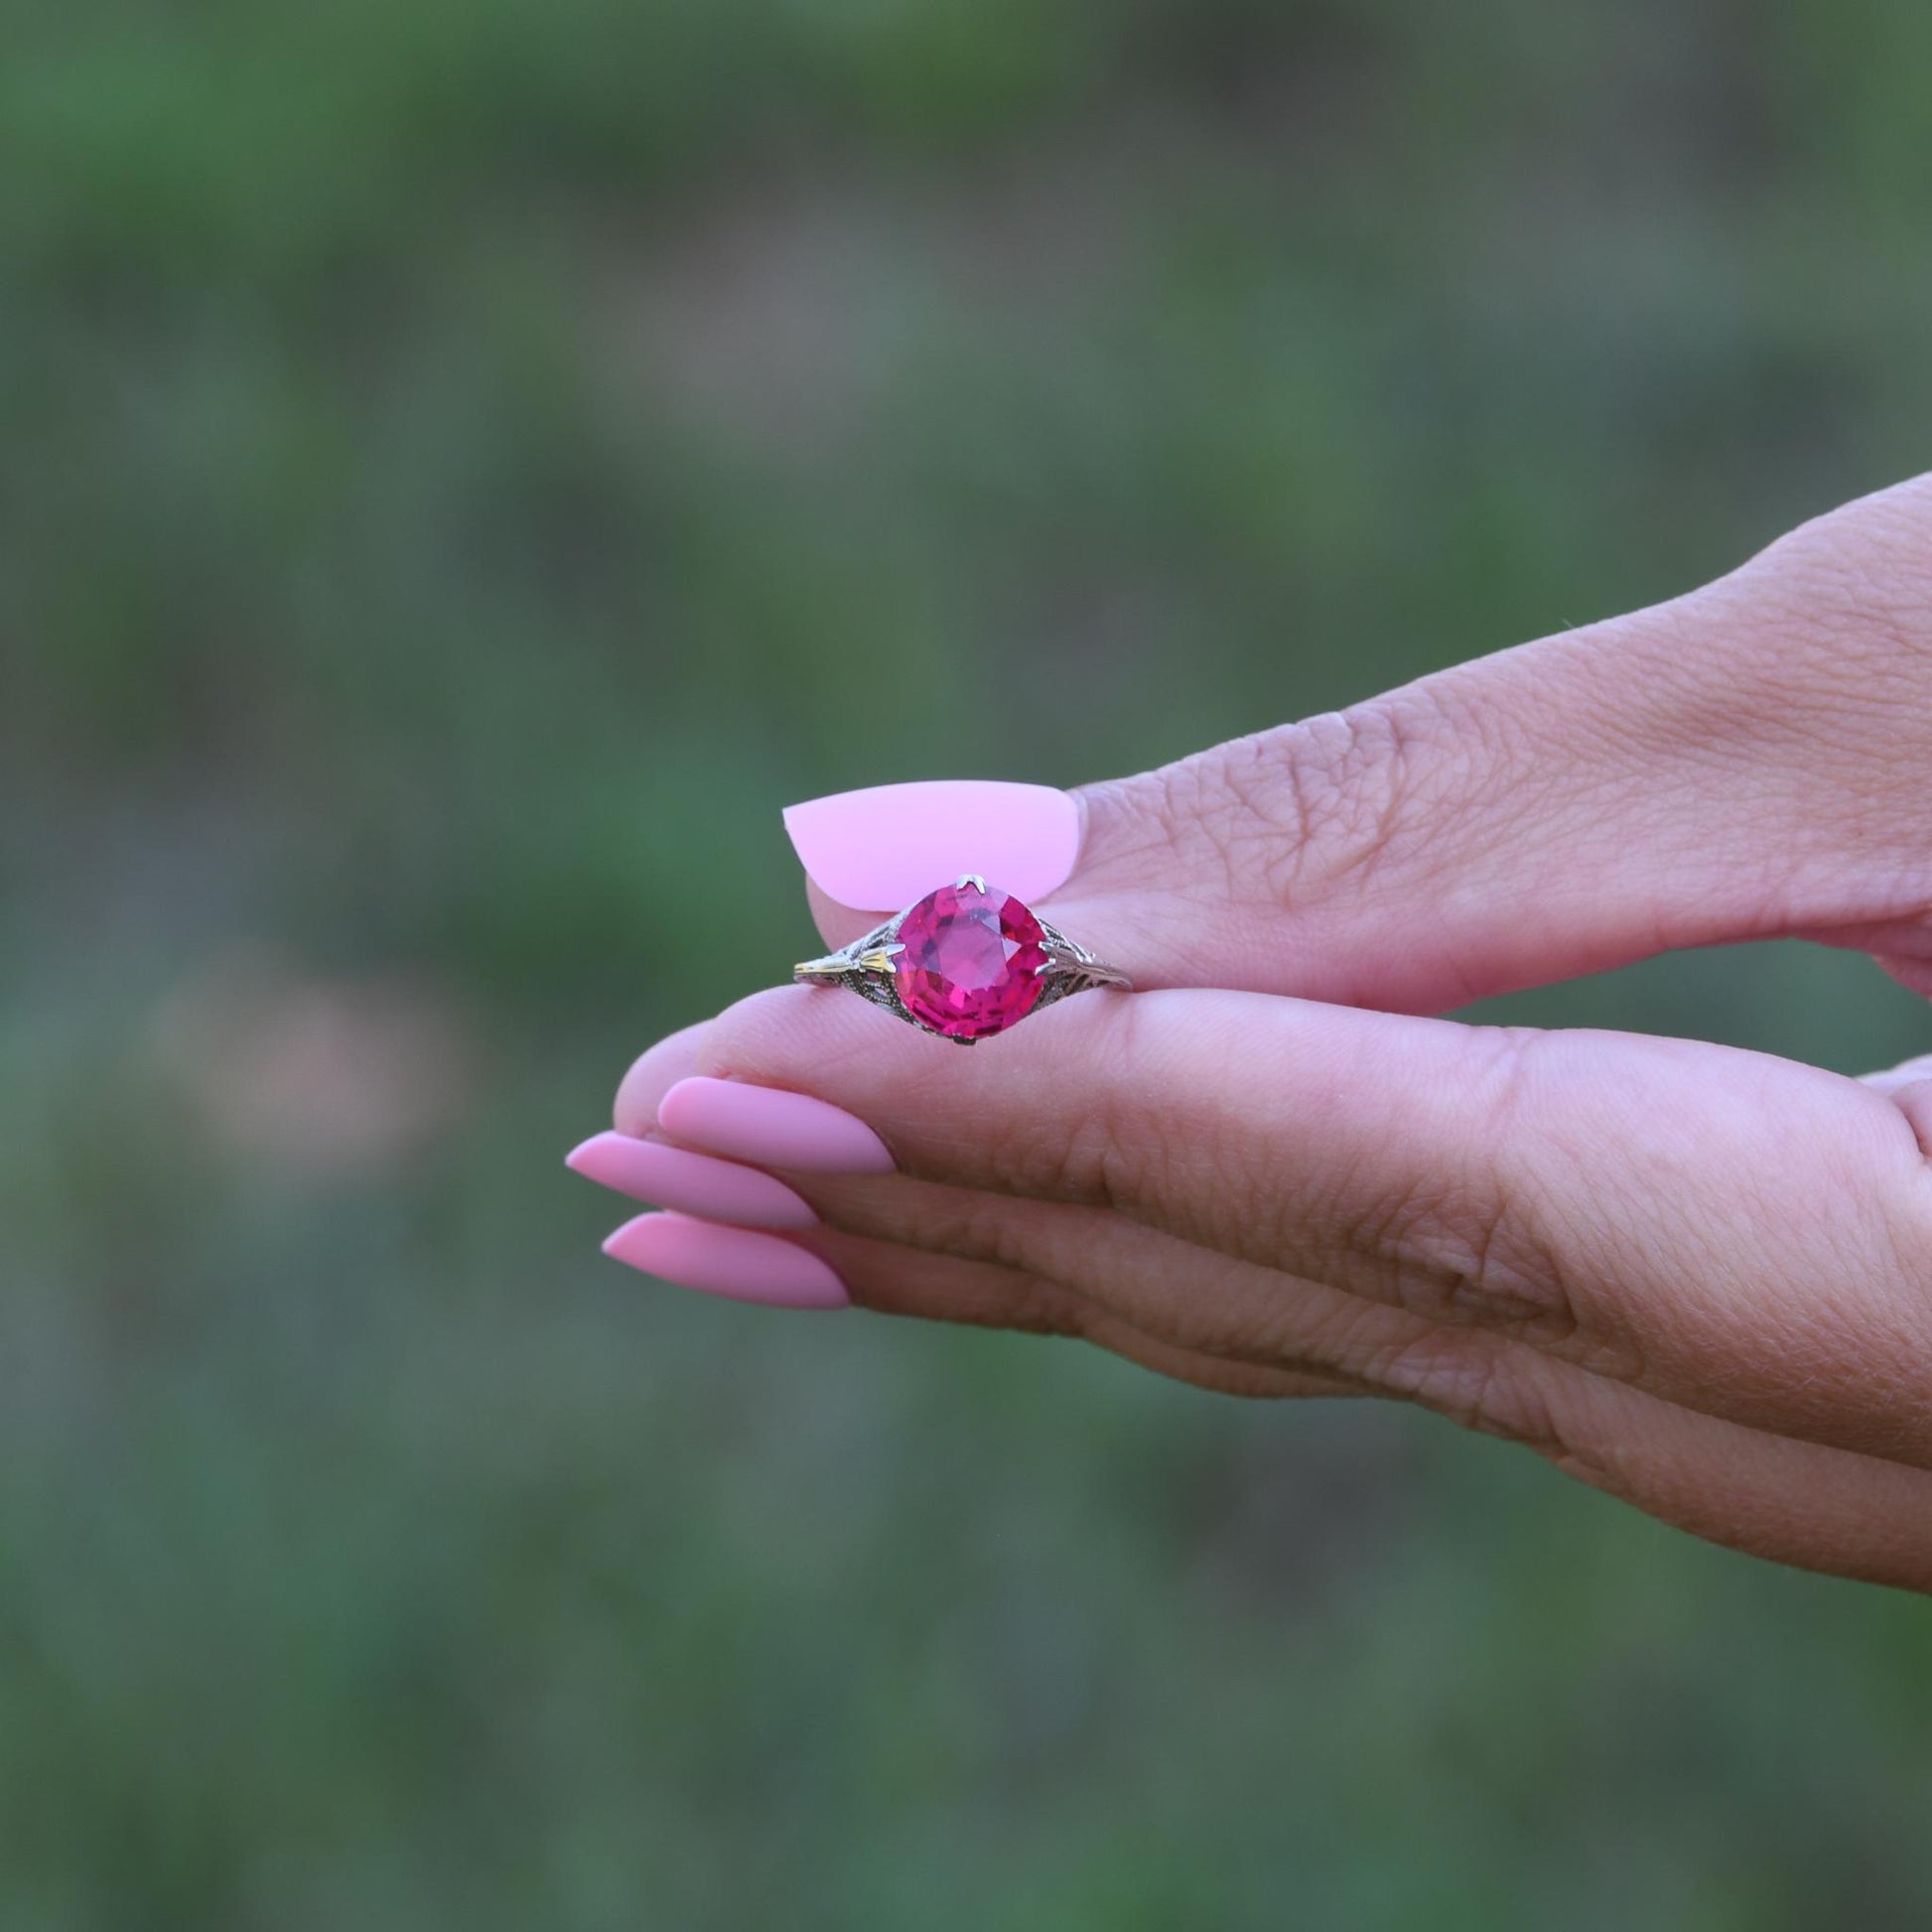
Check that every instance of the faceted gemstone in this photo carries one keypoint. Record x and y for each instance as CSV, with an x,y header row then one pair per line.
x,y
971,960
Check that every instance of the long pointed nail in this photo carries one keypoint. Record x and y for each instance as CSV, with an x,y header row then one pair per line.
x,y
732,1261
694,1183
880,848
771,1127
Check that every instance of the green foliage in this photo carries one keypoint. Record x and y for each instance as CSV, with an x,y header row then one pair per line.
x,y
465,469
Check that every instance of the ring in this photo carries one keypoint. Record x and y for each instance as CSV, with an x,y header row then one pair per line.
x,y
966,962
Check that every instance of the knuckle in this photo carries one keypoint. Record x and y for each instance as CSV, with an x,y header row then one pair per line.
x,y
1303,807
1493,1388
1088,1161
1097,1154
1035,1158
1129,821
1478,1382
928,1249
1485,1246
1034,1306
1328,802
970,1226
1469,1254
1183,820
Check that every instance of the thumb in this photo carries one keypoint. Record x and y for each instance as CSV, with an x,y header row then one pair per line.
x,y
1742,763
1745,761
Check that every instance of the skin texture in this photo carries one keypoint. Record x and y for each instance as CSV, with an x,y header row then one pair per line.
x,y
1697,1278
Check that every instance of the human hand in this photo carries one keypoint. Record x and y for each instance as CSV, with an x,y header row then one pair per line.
x,y
1699,1278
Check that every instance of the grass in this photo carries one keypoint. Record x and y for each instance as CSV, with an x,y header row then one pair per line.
x,y
465,469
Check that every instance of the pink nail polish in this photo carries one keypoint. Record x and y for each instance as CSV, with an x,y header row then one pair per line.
x,y
771,1127
880,848
736,1263
694,1183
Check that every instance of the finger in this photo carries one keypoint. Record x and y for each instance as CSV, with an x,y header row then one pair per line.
x,y
1911,969
1908,1086
1183,1296
935,1285
1914,1101
1043,1268
1670,778
653,1074
1790,1501
1725,1230
1904,1075
838,926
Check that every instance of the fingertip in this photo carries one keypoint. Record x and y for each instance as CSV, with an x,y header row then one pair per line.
x,y
589,1157
652,1075
1891,1079
1914,1101
837,924
739,1264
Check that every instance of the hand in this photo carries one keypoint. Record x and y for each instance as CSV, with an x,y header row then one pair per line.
x,y
1699,1278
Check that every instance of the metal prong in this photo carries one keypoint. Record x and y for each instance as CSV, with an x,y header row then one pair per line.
x,y
969,879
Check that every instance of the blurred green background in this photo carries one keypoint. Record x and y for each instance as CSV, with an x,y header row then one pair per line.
x,y
463,469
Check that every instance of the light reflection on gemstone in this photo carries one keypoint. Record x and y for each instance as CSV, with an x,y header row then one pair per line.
x,y
970,961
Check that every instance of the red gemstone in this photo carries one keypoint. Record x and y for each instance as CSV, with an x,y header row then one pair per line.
x,y
971,960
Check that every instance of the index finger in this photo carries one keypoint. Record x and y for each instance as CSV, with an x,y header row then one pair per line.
x,y
1732,1232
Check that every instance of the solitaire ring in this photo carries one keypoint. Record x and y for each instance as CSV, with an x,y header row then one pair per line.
x,y
965,962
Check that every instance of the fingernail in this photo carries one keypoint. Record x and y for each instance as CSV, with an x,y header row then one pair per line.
x,y
771,1127
736,1263
880,848
695,1184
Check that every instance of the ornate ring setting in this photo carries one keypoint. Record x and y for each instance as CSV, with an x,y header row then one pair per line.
x,y
966,962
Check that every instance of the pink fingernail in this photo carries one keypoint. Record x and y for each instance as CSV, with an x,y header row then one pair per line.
x,y
736,1263
674,1177
880,848
771,1127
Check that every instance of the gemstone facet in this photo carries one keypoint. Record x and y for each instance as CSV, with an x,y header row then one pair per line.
x,y
970,960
